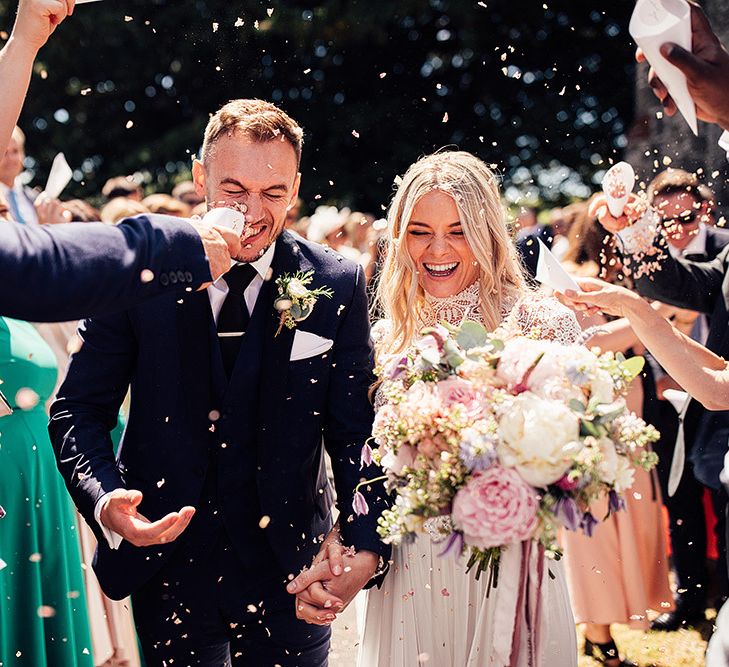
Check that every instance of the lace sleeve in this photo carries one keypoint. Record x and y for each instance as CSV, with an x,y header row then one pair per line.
x,y
544,318
378,332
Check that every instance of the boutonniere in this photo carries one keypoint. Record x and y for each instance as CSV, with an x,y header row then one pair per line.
x,y
295,301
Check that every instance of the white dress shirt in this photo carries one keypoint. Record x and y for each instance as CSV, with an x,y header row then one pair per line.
x,y
216,293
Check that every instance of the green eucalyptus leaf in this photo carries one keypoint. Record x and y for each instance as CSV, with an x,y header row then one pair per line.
x,y
633,367
472,334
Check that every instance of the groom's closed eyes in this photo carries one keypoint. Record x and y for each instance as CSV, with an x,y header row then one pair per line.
x,y
235,188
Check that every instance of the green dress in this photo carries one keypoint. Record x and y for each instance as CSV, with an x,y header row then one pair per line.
x,y
43,616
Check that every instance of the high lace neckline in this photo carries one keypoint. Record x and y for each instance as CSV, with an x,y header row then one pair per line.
x,y
466,305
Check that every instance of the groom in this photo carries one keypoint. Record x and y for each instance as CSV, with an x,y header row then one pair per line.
x,y
219,494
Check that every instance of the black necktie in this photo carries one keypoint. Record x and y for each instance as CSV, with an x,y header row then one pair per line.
x,y
233,318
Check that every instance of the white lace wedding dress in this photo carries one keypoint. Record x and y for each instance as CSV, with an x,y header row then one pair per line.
x,y
429,611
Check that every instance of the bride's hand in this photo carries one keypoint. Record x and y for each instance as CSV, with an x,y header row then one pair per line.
x,y
598,296
314,603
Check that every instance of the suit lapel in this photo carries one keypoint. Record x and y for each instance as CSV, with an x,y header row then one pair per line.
x,y
277,349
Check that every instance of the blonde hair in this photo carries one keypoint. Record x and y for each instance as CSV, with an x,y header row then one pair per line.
x,y
256,119
474,189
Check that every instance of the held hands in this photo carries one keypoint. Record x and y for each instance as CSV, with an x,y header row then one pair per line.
x,y
335,577
220,244
37,19
120,515
706,68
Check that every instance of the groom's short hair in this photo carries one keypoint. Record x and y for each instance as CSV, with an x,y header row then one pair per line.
x,y
256,119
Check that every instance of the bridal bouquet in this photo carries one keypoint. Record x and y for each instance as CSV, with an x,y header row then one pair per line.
x,y
488,442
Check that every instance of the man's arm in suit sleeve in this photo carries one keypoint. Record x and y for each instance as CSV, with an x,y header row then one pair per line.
x,y
67,272
348,424
85,412
686,284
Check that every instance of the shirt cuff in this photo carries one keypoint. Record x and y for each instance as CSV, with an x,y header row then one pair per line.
x,y
112,539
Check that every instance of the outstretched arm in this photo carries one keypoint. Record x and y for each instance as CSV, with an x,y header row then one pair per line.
x,y
703,374
34,24
679,282
67,272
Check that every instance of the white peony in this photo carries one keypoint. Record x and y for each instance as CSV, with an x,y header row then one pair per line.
x,y
540,438
624,475
603,389
518,356
608,466
297,289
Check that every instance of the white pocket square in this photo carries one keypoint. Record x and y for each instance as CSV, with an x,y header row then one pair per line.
x,y
308,345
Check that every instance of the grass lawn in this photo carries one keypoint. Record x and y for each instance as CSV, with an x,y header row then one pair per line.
x,y
684,648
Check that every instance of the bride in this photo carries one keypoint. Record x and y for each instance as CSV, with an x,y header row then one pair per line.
x,y
450,258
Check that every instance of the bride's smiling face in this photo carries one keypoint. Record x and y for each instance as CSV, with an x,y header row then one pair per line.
x,y
437,245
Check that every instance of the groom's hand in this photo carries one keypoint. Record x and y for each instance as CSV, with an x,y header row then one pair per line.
x,y
120,515
320,593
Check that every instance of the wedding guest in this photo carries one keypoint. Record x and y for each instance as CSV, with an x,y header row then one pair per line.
x,y
43,612
621,572
185,191
166,205
20,198
4,209
560,221
78,210
122,186
113,637
328,227
120,208
528,230
676,195
708,206
706,67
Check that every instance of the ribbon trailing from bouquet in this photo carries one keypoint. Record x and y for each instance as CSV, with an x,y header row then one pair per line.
x,y
519,605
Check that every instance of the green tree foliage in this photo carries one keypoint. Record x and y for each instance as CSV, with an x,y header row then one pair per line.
x,y
543,91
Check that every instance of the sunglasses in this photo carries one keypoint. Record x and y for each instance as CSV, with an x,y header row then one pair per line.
x,y
684,219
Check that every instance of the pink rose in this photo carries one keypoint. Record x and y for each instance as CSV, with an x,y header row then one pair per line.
x,y
455,390
496,507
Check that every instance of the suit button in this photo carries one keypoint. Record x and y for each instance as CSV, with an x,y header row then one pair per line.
x,y
180,276
188,277
164,279
173,278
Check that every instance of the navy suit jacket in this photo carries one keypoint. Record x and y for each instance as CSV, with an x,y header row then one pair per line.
x,y
66,272
163,349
